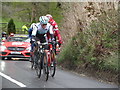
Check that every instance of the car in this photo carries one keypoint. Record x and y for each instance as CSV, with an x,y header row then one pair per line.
x,y
17,46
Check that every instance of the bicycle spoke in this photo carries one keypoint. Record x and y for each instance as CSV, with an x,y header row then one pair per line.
x,y
53,64
38,66
45,68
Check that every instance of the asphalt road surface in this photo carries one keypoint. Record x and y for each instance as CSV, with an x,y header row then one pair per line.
x,y
18,74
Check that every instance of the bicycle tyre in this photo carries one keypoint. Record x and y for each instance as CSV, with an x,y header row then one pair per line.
x,y
53,68
32,63
38,65
45,67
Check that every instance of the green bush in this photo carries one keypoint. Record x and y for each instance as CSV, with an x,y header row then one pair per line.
x,y
95,46
11,27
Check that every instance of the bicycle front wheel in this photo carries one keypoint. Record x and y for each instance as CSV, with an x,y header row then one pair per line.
x,y
53,64
32,63
38,66
38,70
45,67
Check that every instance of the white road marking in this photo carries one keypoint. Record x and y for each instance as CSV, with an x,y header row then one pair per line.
x,y
12,80
2,64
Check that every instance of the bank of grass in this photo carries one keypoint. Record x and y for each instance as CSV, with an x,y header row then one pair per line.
x,y
95,47
112,63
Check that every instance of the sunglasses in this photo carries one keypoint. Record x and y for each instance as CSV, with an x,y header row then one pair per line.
x,y
44,24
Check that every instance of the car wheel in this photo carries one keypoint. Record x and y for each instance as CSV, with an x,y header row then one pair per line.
x,y
9,58
3,58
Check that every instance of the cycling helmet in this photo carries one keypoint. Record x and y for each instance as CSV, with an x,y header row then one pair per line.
x,y
3,33
49,16
43,20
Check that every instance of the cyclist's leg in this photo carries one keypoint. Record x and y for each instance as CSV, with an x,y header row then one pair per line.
x,y
44,40
55,46
46,52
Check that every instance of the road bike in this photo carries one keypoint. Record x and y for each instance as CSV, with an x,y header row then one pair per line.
x,y
41,60
52,59
45,61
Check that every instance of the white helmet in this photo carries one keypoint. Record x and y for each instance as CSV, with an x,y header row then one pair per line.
x,y
43,20
49,16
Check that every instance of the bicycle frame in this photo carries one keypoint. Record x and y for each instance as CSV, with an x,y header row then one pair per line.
x,y
49,54
50,59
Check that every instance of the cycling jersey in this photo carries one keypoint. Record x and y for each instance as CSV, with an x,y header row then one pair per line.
x,y
3,38
56,30
39,30
30,32
24,28
42,33
54,24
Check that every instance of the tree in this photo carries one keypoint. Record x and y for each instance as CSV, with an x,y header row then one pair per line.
x,y
11,26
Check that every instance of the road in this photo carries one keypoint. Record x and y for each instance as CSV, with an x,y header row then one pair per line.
x,y
18,74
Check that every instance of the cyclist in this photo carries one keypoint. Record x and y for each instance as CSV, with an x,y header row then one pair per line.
x,y
30,30
24,28
11,35
30,36
40,32
4,36
55,29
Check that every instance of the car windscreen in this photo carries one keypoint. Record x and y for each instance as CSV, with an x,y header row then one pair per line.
x,y
0,40
27,40
17,39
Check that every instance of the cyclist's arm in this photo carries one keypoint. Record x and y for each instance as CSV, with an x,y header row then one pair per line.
x,y
51,33
34,32
57,32
30,32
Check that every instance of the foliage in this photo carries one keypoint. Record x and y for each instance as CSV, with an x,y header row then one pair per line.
x,y
29,12
11,26
96,46
55,11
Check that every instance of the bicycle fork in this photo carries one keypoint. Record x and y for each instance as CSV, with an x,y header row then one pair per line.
x,y
49,58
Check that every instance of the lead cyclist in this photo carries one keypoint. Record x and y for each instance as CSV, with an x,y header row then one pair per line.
x,y
40,30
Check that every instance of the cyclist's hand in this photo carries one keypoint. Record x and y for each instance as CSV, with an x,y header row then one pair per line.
x,y
52,42
32,39
60,42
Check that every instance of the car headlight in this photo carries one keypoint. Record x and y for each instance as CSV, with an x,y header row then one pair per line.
x,y
2,48
28,48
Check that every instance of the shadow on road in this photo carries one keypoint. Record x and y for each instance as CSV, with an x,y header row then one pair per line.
x,y
16,59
